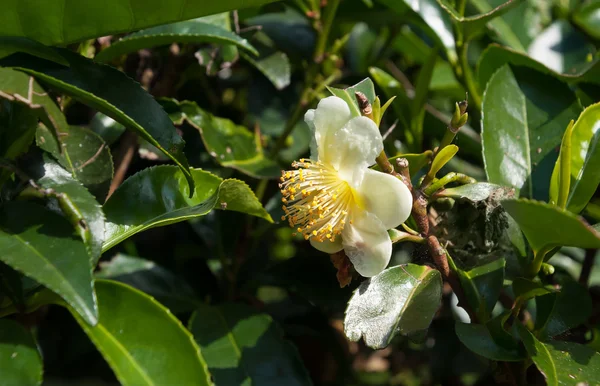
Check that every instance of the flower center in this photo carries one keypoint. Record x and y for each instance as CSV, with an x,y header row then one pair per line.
x,y
316,200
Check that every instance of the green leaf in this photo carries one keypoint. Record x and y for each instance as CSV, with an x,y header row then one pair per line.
x,y
92,164
539,220
140,339
558,312
562,48
494,57
145,275
20,360
54,25
441,159
437,22
125,101
480,339
41,244
472,25
243,347
50,175
348,94
401,299
17,130
587,17
502,31
482,286
527,289
524,116
21,88
231,145
585,158
191,31
159,196
474,192
562,363
276,67
560,182
13,44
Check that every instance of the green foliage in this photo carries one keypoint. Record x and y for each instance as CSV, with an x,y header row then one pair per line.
x,y
142,238
242,346
123,342
20,360
401,300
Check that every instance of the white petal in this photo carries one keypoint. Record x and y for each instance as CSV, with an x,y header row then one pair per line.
x,y
327,246
386,197
331,115
309,118
357,145
367,244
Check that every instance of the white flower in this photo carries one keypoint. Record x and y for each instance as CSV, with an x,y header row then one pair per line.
x,y
335,200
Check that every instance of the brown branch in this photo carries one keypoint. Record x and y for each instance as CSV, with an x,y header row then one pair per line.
x,y
123,157
440,259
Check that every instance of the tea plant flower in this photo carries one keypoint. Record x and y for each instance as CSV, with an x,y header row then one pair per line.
x,y
334,199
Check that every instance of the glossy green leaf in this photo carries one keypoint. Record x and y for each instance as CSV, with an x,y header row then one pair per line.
x,y
587,17
539,220
50,175
145,275
562,48
13,44
472,25
191,32
498,27
479,339
562,363
17,130
401,299
276,67
92,164
54,25
159,196
231,145
527,289
242,347
560,182
524,116
482,286
125,101
585,158
494,57
436,21
441,159
140,339
474,192
42,245
20,360
22,88
365,86
557,312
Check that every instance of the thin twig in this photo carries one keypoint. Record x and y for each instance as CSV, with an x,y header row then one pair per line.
x,y
123,156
